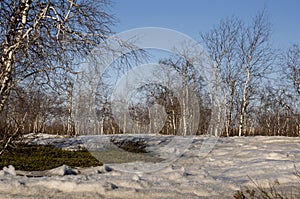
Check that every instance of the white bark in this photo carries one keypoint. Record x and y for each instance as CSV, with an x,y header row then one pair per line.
x,y
242,124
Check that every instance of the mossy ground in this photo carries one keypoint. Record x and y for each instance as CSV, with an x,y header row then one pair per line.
x,y
121,156
38,158
44,157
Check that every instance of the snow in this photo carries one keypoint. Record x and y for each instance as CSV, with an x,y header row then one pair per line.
x,y
10,170
231,165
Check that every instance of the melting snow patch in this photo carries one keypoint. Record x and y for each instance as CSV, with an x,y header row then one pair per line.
x,y
231,164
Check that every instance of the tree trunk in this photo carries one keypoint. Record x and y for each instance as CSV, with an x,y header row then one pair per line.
x,y
10,48
242,124
184,104
5,78
230,109
70,110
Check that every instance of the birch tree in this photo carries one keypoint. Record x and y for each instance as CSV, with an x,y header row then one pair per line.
x,y
47,36
256,58
42,40
190,89
292,74
241,58
222,44
292,68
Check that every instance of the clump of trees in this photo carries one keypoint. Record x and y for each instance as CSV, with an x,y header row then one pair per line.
x,y
261,91
42,43
258,85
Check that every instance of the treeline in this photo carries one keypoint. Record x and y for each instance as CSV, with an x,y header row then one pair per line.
x,y
255,87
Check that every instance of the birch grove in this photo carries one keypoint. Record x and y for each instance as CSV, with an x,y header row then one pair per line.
x,y
43,43
41,40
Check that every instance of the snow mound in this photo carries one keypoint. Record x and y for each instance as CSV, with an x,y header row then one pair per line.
x,y
231,165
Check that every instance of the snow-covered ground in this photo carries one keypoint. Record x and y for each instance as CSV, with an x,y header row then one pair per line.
x,y
231,164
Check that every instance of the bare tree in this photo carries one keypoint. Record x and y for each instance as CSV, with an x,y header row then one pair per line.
x,y
46,37
241,58
222,44
256,59
41,41
293,67
191,86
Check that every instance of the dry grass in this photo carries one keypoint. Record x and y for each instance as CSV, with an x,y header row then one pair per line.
x,y
274,190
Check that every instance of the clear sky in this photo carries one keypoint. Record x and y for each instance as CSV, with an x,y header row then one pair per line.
x,y
193,16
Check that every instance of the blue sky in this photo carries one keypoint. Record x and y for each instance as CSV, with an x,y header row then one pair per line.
x,y
193,16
